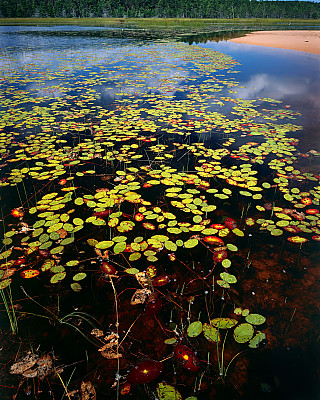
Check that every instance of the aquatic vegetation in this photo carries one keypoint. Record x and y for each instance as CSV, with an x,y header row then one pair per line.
x,y
136,187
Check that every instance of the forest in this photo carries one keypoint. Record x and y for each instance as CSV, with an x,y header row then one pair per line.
x,y
158,9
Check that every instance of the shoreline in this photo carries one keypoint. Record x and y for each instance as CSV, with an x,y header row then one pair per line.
x,y
305,41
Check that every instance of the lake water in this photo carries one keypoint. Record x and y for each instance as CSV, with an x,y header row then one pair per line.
x,y
157,193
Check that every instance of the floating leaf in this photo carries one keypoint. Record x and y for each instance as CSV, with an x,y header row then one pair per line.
x,y
238,232
119,247
223,323
57,250
76,287
172,340
79,276
5,283
167,392
255,319
232,247
256,340
211,333
297,239
243,333
58,277
134,256
226,263
223,284
131,271
189,244
57,268
171,246
105,244
5,254
72,263
29,273
194,329
67,241
228,277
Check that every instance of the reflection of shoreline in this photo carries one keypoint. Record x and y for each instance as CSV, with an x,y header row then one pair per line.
x,y
218,36
306,41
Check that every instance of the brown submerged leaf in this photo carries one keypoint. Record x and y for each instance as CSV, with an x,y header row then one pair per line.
x,y
140,296
88,391
110,349
44,366
24,364
97,333
32,366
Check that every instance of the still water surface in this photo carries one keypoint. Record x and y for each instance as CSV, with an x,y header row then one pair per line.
x,y
215,147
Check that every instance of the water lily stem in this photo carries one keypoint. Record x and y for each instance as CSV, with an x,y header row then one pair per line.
x,y
117,328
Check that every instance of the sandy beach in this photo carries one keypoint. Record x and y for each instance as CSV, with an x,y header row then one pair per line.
x,y
307,41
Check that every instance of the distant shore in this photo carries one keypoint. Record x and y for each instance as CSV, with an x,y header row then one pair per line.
x,y
306,41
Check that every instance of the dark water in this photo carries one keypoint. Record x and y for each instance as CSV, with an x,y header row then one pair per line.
x,y
165,128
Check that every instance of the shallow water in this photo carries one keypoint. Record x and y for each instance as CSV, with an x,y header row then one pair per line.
x,y
186,175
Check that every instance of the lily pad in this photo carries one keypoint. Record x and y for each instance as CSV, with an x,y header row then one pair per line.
x,y
243,333
189,244
255,319
223,323
194,329
56,278
167,392
256,340
211,333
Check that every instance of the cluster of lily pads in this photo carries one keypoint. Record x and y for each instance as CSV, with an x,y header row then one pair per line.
x,y
131,162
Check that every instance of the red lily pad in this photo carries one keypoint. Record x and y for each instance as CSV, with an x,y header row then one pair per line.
x,y
312,211
186,358
219,256
297,239
145,372
213,240
306,200
161,280
108,268
29,273
230,223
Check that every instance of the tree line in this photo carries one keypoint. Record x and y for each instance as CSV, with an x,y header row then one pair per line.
x,y
159,8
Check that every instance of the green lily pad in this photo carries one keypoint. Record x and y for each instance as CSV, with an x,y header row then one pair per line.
x,y
76,287
228,277
232,247
119,247
5,283
131,271
243,333
79,276
194,329
211,333
67,241
167,392
189,244
226,263
72,263
171,246
223,323
134,256
172,340
255,319
57,268
58,277
223,284
57,250
105,244
256,340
